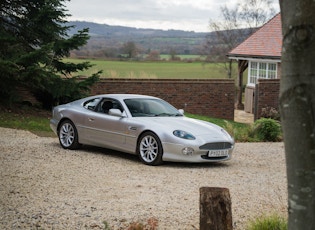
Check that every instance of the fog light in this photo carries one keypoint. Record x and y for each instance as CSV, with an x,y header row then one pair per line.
x,y
188,151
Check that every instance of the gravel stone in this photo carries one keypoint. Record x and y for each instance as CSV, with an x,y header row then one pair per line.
x,y
43,186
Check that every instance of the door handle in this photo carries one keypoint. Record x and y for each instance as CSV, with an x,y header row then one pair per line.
x,y
91,119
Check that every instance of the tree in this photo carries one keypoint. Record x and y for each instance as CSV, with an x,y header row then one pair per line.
x,y
130,49
153,55
34,41
297,104
173,55
237,24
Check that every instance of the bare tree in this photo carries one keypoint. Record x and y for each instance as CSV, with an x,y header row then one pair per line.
x,y
255,13
130,49
154,55
173,55
236,24
297,103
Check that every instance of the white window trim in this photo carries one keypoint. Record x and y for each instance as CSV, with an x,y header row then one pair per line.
x,y
260,61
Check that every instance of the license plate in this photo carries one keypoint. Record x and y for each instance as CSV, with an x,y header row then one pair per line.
x,y
218,153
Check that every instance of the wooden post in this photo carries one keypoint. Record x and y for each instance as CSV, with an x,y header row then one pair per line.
x,y
215,209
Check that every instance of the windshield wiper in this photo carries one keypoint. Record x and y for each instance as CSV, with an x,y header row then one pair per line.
x,y
178,115
168,115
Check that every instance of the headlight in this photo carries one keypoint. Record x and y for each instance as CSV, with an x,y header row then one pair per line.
x,y
183,134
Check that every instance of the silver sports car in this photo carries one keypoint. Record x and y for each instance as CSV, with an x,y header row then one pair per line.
x,y
143,125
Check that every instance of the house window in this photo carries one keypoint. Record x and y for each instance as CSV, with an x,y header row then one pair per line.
x,y
263,70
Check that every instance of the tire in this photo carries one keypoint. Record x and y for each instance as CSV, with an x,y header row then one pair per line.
x,y
68,135
150,149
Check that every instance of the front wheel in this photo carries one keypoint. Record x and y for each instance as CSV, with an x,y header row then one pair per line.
x,y
68,135
150,149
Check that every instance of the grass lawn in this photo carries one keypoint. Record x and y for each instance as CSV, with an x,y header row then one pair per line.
x,y
160,70
27,118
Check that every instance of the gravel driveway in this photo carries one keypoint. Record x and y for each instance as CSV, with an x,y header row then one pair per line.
x,y
46,187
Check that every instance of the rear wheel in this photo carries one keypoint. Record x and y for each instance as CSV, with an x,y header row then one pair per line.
x,y
68,135
150,149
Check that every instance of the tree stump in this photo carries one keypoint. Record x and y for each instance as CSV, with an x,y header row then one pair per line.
x,y
215,209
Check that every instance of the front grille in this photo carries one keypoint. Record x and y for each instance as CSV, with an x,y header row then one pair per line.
x,y
205,157
216,145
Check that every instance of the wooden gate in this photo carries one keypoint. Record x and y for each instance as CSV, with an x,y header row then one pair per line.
x,y
249,99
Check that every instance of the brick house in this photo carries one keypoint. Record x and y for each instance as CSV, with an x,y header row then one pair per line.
x,y
261,54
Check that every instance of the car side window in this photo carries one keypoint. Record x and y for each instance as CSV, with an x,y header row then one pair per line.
x,y
91,104
107,104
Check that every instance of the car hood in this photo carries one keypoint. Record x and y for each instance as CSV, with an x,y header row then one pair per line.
x,y
193,126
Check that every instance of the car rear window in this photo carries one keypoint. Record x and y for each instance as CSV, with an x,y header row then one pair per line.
x,y
91,104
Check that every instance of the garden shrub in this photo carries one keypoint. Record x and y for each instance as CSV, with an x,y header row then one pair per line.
x,y
270,112
267,129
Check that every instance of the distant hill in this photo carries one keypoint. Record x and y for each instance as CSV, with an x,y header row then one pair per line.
x,y
118,31
106,37
107,41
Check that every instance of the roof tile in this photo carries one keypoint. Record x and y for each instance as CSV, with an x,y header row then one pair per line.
x,y
266,41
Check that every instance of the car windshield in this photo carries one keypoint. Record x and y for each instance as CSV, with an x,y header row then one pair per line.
x,y
148,107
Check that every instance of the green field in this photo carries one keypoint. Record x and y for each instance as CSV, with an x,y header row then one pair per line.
x,y
155,70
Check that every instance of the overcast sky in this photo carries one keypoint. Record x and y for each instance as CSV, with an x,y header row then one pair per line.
x,y
188,15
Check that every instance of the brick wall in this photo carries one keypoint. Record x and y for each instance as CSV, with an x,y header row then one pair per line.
x,y
211,97
266,95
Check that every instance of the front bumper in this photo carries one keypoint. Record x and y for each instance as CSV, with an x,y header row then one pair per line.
x,y
173,152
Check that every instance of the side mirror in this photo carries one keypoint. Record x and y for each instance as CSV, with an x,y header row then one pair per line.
x,y
181,111
116,113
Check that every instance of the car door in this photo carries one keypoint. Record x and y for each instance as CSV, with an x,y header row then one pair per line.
x,y
103,129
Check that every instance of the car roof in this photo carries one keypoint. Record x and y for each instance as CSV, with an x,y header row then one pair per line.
x,y
125,96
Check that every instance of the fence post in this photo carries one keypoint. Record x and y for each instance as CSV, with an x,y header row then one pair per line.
x,y
215,209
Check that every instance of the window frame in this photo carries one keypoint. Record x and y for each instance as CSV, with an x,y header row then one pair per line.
x,y
261,70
